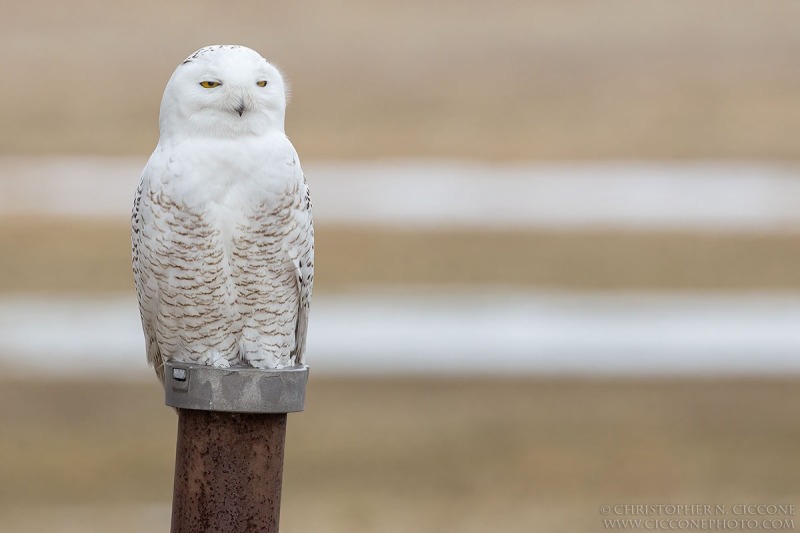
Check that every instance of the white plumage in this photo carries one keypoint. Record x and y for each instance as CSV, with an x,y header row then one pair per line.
x,y
222,235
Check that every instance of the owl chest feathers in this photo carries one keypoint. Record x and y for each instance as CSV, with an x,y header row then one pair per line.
x,y
238,207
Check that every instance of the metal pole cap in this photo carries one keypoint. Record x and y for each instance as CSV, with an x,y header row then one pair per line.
x,y
236,389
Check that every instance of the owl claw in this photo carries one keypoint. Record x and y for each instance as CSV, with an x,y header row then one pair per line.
x,y
218,361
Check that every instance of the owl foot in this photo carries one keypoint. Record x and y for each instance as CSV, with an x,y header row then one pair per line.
x,y
218,360
209,358
259,356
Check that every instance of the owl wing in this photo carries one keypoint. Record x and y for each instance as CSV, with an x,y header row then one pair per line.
x,y
142,222
303,260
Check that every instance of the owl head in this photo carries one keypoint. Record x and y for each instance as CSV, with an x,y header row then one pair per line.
x,y
223,91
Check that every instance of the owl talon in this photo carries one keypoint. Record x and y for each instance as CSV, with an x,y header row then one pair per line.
x,y
218,361
272,362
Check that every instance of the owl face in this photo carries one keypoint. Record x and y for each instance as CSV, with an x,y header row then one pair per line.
x,y
224,91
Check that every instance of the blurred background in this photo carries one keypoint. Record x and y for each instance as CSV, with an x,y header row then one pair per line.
x,y
557,258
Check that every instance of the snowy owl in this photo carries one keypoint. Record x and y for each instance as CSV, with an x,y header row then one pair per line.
x,y
223,242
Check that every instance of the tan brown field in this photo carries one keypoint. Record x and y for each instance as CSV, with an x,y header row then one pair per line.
x,y
508,79
386,455
527,80
65,255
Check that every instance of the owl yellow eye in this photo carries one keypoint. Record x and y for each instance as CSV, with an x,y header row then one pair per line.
x,y
262,83
209,84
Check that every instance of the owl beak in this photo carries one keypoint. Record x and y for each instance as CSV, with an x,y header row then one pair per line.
x,y
240,108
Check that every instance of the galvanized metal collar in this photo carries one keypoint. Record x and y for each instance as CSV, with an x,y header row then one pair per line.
x,y
236,390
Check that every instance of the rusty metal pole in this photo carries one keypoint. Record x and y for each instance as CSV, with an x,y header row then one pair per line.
x,y
229,453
